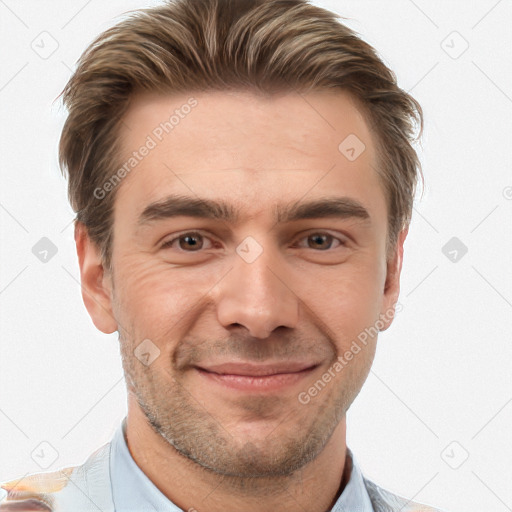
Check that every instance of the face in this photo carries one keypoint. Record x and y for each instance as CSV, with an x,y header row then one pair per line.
x,y
248,261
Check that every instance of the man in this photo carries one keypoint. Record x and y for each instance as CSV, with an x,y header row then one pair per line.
x,y
243,176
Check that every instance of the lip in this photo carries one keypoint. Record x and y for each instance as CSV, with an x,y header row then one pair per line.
x,y
257,370
257,378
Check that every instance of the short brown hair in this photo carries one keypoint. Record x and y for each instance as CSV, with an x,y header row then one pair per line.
x,y
202,45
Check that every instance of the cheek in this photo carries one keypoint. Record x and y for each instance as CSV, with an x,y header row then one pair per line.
x,y
154,299
347,301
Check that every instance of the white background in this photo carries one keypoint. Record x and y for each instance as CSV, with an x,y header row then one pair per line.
x,y
442,373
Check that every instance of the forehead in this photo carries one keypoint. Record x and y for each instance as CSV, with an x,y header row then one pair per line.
x,y
254,150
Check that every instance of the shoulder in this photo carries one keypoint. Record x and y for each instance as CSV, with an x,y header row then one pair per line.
x,y
386,501
34,492
73,486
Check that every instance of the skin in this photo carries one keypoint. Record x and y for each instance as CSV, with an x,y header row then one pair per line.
x,y
205,446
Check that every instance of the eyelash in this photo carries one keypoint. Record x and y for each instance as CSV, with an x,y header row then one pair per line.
x,y
169,243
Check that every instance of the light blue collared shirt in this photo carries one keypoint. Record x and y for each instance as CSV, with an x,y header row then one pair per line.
x,y
133,491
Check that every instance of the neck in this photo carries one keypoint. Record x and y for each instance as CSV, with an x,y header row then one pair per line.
x,y
315,487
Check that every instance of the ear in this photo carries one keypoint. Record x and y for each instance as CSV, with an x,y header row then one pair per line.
x,y
96,281
392,284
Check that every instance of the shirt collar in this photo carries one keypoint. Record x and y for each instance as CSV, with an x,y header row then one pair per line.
x,y
354,497
133,491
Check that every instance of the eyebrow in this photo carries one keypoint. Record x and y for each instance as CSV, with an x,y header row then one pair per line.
x,y
185,206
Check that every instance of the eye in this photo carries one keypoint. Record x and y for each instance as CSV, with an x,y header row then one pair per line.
x,y
194,241
322,241
187,242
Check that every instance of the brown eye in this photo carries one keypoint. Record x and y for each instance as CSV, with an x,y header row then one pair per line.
x,y
194,242
187,242
320,241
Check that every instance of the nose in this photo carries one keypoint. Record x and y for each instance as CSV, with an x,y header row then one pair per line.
x,y
257,295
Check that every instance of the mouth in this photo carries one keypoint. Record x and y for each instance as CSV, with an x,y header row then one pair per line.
x,y
257,378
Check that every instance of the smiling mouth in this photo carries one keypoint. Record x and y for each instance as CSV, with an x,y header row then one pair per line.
x,y
256,378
